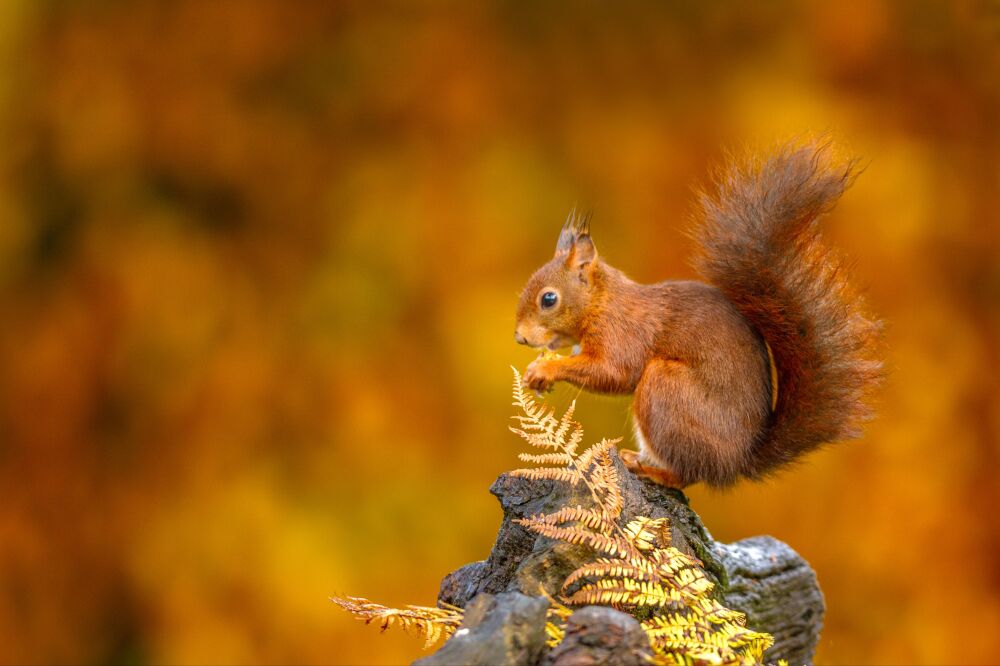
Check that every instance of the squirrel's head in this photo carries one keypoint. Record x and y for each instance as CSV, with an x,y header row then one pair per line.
x,y
553,304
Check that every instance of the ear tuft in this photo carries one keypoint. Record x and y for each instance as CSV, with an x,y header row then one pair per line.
x,y
576,227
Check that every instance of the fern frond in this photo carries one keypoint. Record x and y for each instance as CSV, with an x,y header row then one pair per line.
x,y
612,568
646,533
432,624
541,440
555,619
692,582
546,458
598,468
608,474
625,591
753,643
555,633
714,612
689,635
568,426
575,437
672,560
608,544
586,459
590,518
551,473
536,417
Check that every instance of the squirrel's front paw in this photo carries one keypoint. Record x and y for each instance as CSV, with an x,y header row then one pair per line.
x,y
539,376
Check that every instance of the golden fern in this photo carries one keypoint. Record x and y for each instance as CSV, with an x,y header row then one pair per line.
x,y
540,428
636,567
555,620
432,624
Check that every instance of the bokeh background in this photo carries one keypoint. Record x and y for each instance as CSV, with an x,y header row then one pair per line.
x,y
258,267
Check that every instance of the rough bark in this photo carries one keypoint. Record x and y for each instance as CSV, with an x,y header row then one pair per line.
x,y
601,636
760,576
508,628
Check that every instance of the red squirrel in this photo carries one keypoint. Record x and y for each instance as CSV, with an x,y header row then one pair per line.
x,y
702,358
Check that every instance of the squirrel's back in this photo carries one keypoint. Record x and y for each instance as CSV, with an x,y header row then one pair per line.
x,y
759,243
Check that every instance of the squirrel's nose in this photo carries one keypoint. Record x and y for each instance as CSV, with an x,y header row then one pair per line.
x,y
519,339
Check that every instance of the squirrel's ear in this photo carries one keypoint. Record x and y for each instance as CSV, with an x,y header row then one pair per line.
x,y
583,253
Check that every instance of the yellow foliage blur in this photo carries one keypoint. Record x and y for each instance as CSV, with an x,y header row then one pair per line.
x,y
258,267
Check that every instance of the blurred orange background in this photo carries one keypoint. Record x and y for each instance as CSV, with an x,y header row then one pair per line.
x,y
258,268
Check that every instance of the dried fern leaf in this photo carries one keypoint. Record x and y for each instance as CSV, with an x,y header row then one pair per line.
x,y
693,641
430,623
566,425
609,545
539,440
608,474
611,568
566,422
591,518
555,633
546,458
671,559
551,473
647,533
690,634
586,459
692,582
625,591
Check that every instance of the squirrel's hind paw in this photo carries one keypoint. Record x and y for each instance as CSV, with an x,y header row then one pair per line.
x,y
658,475
630,459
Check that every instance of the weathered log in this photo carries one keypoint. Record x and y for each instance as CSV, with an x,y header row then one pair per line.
x,y
601,636
508,628
760,576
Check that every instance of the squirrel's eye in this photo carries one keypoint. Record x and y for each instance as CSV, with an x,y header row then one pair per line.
x,y
549,299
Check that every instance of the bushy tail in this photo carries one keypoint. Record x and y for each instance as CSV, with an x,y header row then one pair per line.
x,y
760,244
